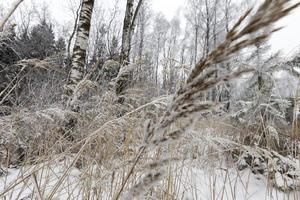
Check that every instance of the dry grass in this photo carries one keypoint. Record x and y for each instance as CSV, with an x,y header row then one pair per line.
x,y
148,149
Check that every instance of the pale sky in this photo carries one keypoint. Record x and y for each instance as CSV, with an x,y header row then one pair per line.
x,y
287,40
168,7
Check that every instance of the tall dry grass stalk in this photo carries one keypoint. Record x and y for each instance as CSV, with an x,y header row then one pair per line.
x,y
186,101
180,113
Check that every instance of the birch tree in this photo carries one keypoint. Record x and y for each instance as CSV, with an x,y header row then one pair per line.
x,y
131,14
194,18
142,50
159,37
80,47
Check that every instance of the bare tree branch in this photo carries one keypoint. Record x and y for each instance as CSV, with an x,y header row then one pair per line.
x,y
12,10
74,31
136,12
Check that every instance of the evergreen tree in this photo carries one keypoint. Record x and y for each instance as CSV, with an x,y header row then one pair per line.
x,y
60,45
42,41
39,42
7,53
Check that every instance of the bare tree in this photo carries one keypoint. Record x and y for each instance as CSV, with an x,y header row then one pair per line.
x,y
128,29
194,18
76,13
170,56
161,27
81,45
141,51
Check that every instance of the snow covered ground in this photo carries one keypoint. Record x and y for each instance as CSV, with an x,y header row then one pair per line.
x,y
230,184
189,183
23,184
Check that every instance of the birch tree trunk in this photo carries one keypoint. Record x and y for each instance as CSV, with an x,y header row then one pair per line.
x,y
81,45
196,44
142,24
125,76
207,26
73,32
126,35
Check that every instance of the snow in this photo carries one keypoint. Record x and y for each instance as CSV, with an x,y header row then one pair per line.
x,y
50,176
193,183
230,184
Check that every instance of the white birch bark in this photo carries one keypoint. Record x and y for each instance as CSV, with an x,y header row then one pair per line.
x,y
81,45
128,28
126,35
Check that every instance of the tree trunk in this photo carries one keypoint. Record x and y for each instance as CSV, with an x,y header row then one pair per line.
x,y
126,36
125,77
227,4
141,45
73,32
196,44
207,31
217,88
81,45
157,60
227,94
